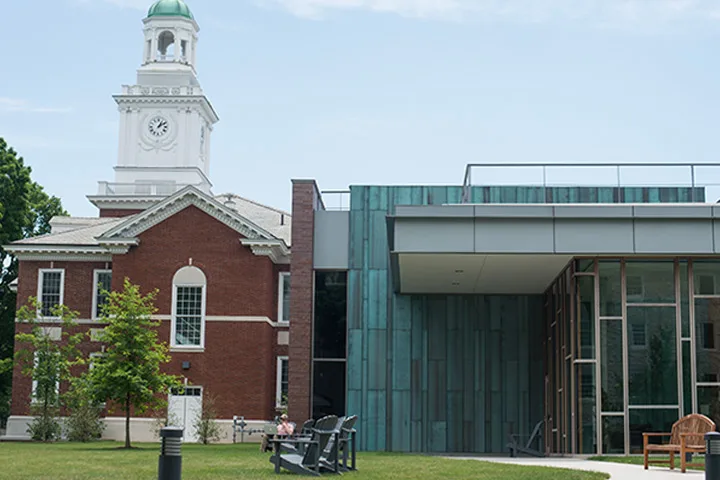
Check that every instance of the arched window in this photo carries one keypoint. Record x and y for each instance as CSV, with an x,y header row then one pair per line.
x,y
188,309
166,46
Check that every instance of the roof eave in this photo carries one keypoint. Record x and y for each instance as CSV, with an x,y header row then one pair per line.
x,y
277,250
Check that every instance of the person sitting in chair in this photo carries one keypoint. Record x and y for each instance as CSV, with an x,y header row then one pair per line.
x,y
285,427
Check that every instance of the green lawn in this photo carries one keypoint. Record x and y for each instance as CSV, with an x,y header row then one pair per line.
x,y
638,460
72,461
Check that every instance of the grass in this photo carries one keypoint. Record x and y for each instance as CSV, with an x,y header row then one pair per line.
x,y
638,460
105,460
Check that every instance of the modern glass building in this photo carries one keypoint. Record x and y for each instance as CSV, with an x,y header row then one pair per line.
x,y
448,317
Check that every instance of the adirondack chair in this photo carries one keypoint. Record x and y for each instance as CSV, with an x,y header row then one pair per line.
x,y
331,458
515,447
307,463
307,427
687,436
305,432
350,433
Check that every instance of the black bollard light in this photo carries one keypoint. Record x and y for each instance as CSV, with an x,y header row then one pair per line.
x,y
712,456
170,462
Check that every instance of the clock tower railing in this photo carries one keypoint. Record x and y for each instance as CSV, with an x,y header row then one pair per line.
x,y
161,189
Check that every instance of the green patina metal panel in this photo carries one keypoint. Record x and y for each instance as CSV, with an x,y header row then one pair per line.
x,y
443,373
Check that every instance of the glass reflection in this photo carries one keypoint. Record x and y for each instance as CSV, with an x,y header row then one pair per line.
x,y
650,282
652,356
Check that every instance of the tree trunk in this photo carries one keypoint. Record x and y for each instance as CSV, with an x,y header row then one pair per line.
x,y
127,421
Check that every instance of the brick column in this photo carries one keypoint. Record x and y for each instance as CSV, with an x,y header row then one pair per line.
x,y
305,200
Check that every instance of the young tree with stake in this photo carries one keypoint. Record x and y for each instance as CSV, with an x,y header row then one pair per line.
x,y
128,372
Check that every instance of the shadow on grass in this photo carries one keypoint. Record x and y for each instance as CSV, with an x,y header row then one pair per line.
x,y
87,447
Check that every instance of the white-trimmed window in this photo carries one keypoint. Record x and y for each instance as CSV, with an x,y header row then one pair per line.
x,y
638,334
635,288
281,388
707,335
705,284
51,289
284,297
188,308
101,281
92,359
34,394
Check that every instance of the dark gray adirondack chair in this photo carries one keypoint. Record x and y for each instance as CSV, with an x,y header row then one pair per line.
x,y
305,432
337,446
329,457
349,442
307,427
307,462
515,447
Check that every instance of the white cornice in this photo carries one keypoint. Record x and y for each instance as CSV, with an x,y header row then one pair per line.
x,y
62,257
118,245
200,100
70,253
275,249
179,201
165,20
166,318
123,203
74,249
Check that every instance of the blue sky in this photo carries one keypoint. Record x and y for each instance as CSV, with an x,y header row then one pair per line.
x,y
373,91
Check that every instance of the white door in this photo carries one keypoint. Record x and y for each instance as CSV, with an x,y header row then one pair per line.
x,y
184,410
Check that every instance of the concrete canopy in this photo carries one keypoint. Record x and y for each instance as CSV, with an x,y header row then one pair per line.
x,y
520,249
477,273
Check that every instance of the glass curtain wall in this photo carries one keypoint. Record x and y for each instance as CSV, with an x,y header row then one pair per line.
x,y
631,345
329,343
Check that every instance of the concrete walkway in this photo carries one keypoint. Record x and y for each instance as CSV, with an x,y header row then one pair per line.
x,y
617,471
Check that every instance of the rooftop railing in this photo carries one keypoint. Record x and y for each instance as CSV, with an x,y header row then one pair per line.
x,y
338,200
141,189
700,182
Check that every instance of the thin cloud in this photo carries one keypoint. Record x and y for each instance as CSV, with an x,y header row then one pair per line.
x,y
596,11
16,105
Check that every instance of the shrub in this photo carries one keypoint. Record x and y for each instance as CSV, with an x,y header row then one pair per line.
x,y
44,427
47,362
208,430
163,421
84,423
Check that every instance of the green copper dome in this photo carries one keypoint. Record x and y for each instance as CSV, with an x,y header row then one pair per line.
x,y
170,8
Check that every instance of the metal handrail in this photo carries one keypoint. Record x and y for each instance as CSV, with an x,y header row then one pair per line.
x,y
340,195
692,166
150,189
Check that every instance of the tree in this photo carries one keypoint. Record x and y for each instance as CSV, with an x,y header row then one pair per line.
x,y
47,361
128,373
25,210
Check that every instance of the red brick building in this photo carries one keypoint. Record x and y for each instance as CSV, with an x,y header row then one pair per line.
x,y
220,263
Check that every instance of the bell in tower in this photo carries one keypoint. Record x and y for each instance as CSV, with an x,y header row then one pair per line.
x,y
171,36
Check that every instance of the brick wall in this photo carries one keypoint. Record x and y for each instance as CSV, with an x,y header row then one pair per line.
x,y
79,277
304,200
238,365
241,374
239,282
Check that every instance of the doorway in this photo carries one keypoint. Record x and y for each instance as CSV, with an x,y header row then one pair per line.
x,y
184,409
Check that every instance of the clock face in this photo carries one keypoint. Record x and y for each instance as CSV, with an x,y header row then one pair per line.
x,y
158,126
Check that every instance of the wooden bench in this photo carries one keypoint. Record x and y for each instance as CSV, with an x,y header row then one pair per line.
x,y
687,436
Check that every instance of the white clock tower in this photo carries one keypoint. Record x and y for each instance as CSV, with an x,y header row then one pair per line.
x,y
166,121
